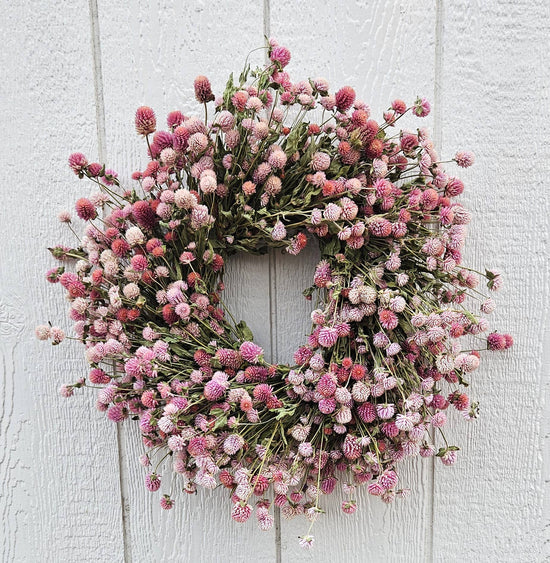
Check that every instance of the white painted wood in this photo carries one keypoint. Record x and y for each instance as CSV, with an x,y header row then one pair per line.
x,y
495,79
385,50
59,477
484,62
151,54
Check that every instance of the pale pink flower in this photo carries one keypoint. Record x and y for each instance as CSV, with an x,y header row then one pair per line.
x,y
385,410
464,158
306,542
42,332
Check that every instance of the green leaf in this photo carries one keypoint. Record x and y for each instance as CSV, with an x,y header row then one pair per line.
x,y
332,247
220,420
244,332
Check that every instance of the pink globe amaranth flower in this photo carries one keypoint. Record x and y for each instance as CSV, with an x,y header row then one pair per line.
x,y
277,159
429,199
345,98
375,488
42,332
139,263
54,274
280,55
166,502
367,412
449,457
322,274
66,391
439,419
495,280
239,100
85,209
427,450
380,227
117,412
94,169
460,401
399,106
251,352
213,390
265,520
98,377
278,232
305,449
421,107
152,482
496,341
388,479
203,90
262,392
145,120
327,406
388,319
57,335
174,119
409,142
241,511
385,410
351,447
327,385
320,161
464,158
328,336
349,507
225,120
232,444
454,187
77,162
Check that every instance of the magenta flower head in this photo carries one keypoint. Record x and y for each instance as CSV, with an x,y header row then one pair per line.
x,y
203,90
174,119
77,162
280,55
146,122
399,106
251,352
241,511
496,341
166,502
152,482
421,107
345,98
85,209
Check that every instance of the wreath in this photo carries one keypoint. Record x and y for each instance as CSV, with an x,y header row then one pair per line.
x,y
279,165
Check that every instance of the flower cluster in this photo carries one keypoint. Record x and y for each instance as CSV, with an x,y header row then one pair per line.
x,y
279,164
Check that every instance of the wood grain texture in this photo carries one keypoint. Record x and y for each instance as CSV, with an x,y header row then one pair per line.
x,y
385,50
489,506
151,53
59,477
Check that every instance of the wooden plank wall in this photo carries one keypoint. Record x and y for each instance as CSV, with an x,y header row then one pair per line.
x,y
75,71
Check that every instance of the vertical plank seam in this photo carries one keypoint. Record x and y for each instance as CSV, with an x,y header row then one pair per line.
x,y
102,154
273,325
98,81
438,139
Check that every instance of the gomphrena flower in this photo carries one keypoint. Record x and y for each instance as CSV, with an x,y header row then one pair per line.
x,y
385,361
203,90
146,122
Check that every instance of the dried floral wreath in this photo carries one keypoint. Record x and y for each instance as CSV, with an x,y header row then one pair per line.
x,y
383,363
